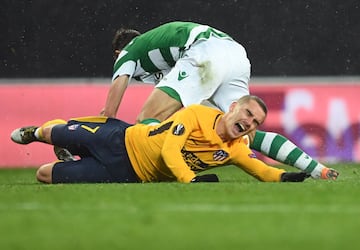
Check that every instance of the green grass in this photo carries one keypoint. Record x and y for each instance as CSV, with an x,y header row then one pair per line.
x,y
237,213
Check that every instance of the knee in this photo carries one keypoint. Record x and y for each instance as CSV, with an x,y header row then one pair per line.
x,y
46,133
46,129
44,173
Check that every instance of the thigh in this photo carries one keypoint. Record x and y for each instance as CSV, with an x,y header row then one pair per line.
x,y
205,67
228,93
191,79
90,170
86,170
160,110
80,131
89,135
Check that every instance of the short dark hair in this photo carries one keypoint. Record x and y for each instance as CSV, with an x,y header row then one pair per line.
x,y
122,37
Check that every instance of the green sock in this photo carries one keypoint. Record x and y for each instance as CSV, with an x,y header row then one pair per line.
x,y
279,148
150,121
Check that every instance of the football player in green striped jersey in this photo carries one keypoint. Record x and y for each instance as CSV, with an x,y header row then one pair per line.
x,y
199,64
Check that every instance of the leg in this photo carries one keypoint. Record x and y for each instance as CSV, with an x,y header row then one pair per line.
x,y
26,135
86,170
44,173
46,133
160,110
279,148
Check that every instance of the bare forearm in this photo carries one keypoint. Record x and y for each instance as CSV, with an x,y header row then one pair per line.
x,y
115,96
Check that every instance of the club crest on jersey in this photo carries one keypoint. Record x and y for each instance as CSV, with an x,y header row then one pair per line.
x,y
73,127
220,155
182,75
178,129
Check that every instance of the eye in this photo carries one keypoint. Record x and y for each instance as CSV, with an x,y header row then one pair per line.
x,y
250,114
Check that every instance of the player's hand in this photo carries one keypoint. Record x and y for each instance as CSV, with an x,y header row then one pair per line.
x,y
206,178
294,176
329,174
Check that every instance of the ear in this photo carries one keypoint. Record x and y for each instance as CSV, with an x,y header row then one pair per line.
x,y
116,53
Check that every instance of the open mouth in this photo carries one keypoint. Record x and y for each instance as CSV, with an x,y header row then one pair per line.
x,y
240,127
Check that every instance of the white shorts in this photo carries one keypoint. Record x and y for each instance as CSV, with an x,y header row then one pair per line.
x,y
216,70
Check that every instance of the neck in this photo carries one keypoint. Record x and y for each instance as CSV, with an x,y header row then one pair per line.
x,y
220,129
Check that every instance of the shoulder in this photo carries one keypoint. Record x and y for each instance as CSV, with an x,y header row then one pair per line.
x,y
207,109
203,113
203,108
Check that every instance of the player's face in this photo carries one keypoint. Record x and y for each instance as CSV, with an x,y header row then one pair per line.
x,y
243,118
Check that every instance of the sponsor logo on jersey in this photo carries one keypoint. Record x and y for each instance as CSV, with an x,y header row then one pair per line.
x,y
182,75
158,77
193,161
220,155
179,129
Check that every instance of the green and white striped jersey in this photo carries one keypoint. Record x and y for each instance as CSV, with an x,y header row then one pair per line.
x,y
159,49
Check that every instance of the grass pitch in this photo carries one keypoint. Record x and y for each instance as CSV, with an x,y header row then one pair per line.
x,y
237,213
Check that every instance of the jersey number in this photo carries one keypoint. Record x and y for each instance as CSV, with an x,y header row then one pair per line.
x,y
91,130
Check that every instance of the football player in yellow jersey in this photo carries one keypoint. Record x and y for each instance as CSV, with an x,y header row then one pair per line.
x,y
193,140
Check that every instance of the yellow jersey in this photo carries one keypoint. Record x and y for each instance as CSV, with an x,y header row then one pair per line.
x,y
187,143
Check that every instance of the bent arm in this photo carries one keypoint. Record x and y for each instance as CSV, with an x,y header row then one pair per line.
x,y
183,124
246,160
115,95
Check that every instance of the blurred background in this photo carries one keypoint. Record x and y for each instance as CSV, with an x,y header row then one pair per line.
x,y
56,60
283,38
